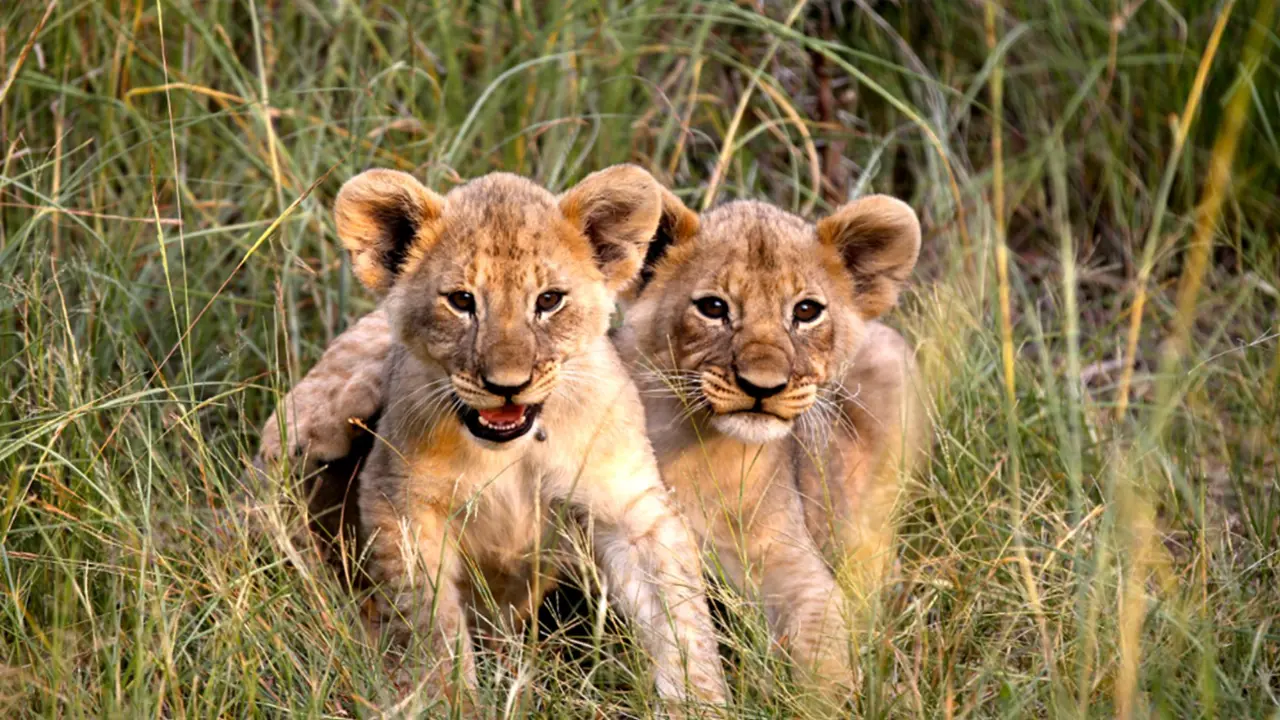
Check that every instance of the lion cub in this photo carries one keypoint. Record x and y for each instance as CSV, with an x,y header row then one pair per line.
x,y
506,407
783,417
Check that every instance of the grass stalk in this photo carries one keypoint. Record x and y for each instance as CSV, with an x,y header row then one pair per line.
x,y
16,66
1147,263
1140,515
1012,430
731,134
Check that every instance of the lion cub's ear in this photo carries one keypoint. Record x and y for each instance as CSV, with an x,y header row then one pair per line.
x,y
678,225
878,237
618,210
383,219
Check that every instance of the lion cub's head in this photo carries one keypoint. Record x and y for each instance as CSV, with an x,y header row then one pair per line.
x,y
499,283
750,312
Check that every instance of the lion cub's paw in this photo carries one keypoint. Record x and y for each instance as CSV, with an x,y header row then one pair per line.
x,y
325,412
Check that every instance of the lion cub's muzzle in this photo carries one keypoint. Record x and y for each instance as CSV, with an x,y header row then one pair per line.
x,y
503,412
733,392
756,408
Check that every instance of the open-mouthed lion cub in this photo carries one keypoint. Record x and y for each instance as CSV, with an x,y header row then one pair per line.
x,y
507,405
783,416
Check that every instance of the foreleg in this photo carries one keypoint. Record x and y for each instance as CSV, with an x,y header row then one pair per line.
x,y
654,577
415,564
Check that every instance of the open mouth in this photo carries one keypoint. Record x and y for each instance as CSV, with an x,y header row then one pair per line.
x,y
500,424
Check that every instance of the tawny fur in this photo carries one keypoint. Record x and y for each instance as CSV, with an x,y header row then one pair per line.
x,y
795,507
794,502
320,410
454,523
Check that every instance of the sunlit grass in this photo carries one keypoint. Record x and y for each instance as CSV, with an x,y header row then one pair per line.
x,y
1095,534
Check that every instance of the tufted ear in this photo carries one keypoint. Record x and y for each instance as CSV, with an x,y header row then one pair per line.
x,y
618,210
384,219
878,237
678,225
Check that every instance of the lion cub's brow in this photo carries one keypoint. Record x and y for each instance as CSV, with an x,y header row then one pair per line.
x,y
494,211
775,245
510,225
759,227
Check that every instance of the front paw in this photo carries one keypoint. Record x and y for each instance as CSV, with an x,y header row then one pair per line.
x,y
309,437
418,691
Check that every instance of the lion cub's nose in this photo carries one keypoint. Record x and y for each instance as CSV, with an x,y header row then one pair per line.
x,y
766,386
508,391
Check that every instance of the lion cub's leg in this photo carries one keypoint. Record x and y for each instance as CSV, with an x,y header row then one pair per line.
x,y
850,504
653,572
347,383
809,622
804,606
415,562
311,446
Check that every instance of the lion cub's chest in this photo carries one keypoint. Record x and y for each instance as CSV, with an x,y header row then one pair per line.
x,y
727,488
492,497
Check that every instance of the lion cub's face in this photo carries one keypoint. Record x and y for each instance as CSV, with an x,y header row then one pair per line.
x,y
754,313
499,283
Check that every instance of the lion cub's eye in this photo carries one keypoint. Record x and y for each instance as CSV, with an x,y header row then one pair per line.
x,y
712,307
462,301
807,311
549,300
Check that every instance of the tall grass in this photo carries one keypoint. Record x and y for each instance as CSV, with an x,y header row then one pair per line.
x,y
1095,535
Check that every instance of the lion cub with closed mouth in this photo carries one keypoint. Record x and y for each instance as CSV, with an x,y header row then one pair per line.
x,y
506,405
785,419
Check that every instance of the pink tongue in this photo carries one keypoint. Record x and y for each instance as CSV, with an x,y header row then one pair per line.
x,y
504,415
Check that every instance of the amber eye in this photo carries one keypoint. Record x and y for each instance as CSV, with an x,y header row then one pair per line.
x,y
462,301
549,300
712,307
807,311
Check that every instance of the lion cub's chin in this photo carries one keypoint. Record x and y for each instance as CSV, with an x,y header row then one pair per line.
x,y
750,427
